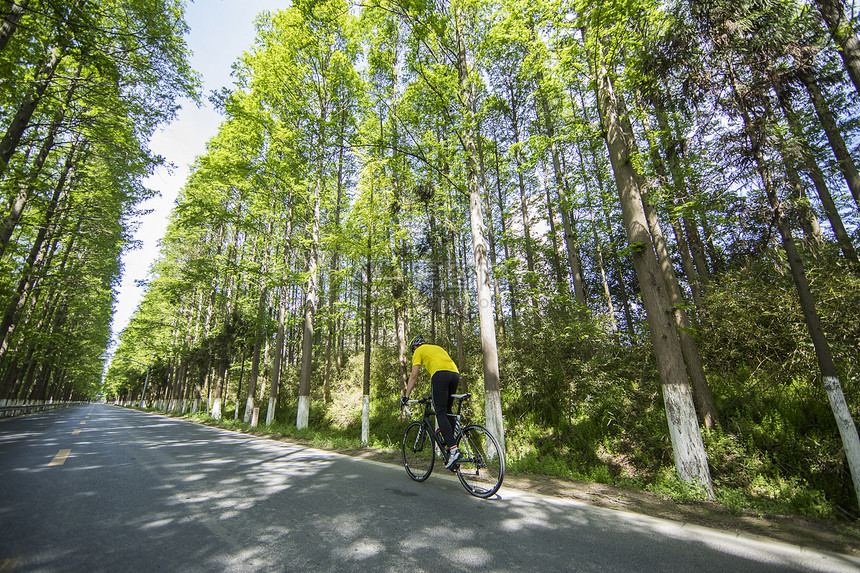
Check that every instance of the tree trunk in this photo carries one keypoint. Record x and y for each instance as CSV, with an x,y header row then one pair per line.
x,y
599,249
690,457
570,241
678,184
238,385
692,357
492,399
255,356
491,236
801,206
839,25
399,295
309,311
220,376
368,303
843,157
832,385
335,263
561,284
400,329
459,304
512,278
435,278
524,209
330,334
805,213
25,111
24,283
29,294
26,189
599,177
616,259
811,167
277,365
690,349
11,20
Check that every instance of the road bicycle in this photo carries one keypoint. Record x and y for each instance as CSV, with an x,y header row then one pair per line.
x,y
481,468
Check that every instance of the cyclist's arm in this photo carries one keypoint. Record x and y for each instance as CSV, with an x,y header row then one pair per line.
x,y
413,378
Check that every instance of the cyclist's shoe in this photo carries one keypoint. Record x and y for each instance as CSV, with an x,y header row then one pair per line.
x,y
453,458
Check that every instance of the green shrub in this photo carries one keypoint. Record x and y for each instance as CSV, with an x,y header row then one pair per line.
x,y
668,484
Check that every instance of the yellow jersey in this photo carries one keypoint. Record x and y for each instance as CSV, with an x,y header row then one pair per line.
x,y
433,358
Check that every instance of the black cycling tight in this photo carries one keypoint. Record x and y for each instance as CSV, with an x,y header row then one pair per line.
x,y
442,386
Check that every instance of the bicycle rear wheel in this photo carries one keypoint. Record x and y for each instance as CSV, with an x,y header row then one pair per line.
x,y
482,463
419,452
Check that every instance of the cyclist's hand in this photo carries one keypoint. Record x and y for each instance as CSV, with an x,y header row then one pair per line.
x,y
404,401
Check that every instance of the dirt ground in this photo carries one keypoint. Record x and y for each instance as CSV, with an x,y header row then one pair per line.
x,y
835,536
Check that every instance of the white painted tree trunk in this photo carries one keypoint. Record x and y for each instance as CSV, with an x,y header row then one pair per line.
x,y
365,419
270,412
685,434
302,415
249,408
495,423
216,408
847,429
844,421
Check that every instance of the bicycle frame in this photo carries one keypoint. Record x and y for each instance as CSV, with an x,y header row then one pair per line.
x,y
428,424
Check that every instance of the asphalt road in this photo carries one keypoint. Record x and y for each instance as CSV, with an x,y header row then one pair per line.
x,y
101,488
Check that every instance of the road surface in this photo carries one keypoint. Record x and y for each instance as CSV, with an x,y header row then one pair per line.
x,y
101,488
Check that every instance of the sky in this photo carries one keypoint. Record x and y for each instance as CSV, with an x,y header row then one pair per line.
x,y
220,31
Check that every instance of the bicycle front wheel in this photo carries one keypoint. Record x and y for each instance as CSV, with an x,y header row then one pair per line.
x,y
482,462
419,452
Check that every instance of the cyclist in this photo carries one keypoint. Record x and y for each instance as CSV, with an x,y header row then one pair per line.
x,y
444,379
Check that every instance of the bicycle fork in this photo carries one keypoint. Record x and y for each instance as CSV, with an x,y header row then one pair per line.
x,y
419,440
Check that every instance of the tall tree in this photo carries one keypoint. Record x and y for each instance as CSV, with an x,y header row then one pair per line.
x,y
690,457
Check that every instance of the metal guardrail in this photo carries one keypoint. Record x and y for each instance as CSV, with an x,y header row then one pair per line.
x,y
17,409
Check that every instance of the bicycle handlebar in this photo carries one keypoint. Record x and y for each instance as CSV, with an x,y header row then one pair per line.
x,y
427,400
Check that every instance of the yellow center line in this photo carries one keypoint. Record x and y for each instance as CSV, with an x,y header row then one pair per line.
x,y
60,458
8,565
76,432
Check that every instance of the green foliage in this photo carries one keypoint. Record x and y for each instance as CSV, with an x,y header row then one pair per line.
x,y
667,483
779,445
578,395
75,168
